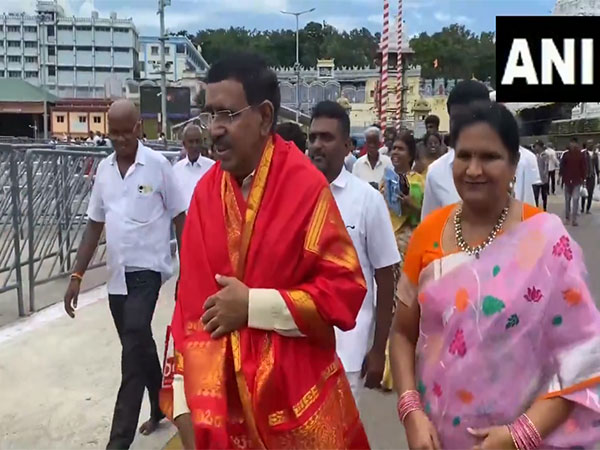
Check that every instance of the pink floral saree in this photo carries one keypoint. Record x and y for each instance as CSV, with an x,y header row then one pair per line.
x,y
499,332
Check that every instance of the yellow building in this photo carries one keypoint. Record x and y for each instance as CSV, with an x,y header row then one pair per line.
x,y
77,117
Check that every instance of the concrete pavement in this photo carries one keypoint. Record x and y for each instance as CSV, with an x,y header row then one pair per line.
x,y
60,376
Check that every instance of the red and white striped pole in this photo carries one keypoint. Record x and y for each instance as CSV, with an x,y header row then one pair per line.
x,y
385,51
399,92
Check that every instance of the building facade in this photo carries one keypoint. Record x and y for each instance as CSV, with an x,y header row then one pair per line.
x,y
77,117
70,56
182,58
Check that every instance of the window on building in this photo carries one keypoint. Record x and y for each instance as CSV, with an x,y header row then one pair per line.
x,y
51,51
60,119
65,28
31,59
31,74
167,50
102,69
122,69
105,29
51,71
50,31
180,48
83,69
121,50
2,61
14,74
1,27
121,30
65,47
30,29
83,28
97,119
13,28
84,48
142,66
30,44
154,50
14,43
82,119
13,58
102,49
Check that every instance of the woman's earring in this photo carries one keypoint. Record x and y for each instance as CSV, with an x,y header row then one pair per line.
x,y
511,187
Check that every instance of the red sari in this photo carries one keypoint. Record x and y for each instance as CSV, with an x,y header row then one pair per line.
x,y
254,388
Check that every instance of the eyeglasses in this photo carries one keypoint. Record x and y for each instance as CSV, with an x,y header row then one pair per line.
x,y
224,117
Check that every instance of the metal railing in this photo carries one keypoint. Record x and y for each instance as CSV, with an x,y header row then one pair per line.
x,y
45,192
44,197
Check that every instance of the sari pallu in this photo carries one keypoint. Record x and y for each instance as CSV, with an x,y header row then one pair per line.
x,y
259,389
499,332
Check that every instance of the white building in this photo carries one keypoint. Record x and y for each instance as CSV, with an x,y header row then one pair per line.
x,y
182,58
70,56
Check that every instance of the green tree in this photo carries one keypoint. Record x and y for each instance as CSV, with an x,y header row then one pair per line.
x,y
278,47
459,54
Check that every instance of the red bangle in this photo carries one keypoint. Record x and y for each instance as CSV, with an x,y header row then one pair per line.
x,y
408,402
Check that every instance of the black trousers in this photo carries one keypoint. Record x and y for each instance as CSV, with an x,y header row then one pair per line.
x,y
140,366
590,184
552,181
541,189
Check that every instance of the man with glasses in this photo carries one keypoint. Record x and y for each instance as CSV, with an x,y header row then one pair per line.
x,y
136,196
267,271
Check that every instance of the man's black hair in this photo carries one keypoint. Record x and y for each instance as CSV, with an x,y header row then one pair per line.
x,y
354,141
258,80
333,110
467,92
432,119
290,131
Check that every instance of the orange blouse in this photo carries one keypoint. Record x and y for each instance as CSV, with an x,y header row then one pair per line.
x,y
426,243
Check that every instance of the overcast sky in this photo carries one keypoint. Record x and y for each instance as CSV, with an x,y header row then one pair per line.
x,y
192,15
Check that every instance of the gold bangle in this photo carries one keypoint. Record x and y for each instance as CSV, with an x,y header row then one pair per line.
x,y
76,276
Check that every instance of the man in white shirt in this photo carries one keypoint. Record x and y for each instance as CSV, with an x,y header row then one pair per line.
x,y
193,166
553,166
136,196
371,167
368,222
439,184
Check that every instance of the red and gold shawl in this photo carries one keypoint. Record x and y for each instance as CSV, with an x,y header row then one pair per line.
x,y
254,388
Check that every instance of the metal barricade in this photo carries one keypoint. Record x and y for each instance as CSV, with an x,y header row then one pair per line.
x,y
43,204
45,193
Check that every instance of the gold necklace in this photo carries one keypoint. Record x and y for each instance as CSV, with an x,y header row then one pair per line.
x,y
460,239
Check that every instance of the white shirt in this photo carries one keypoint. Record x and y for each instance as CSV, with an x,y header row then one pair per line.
x,y
137,210
553,162
367,220
189,173
439,183
363,170
349,162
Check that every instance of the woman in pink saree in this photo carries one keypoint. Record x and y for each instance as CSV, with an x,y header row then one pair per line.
x,y
497,341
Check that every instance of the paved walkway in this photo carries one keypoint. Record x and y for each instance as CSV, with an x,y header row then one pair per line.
x,y
60,376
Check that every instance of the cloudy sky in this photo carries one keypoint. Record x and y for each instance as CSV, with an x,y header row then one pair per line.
x,y
192,15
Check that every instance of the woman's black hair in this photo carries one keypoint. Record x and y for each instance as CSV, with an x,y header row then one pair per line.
x,y
436,134
409,140
497,117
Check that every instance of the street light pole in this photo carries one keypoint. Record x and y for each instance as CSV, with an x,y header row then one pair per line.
x,y
163,67
297,65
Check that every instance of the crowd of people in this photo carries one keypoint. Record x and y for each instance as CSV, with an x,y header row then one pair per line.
x,y
294,268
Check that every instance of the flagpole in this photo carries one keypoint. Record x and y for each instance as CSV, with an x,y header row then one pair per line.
x,y
399,85
385,38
